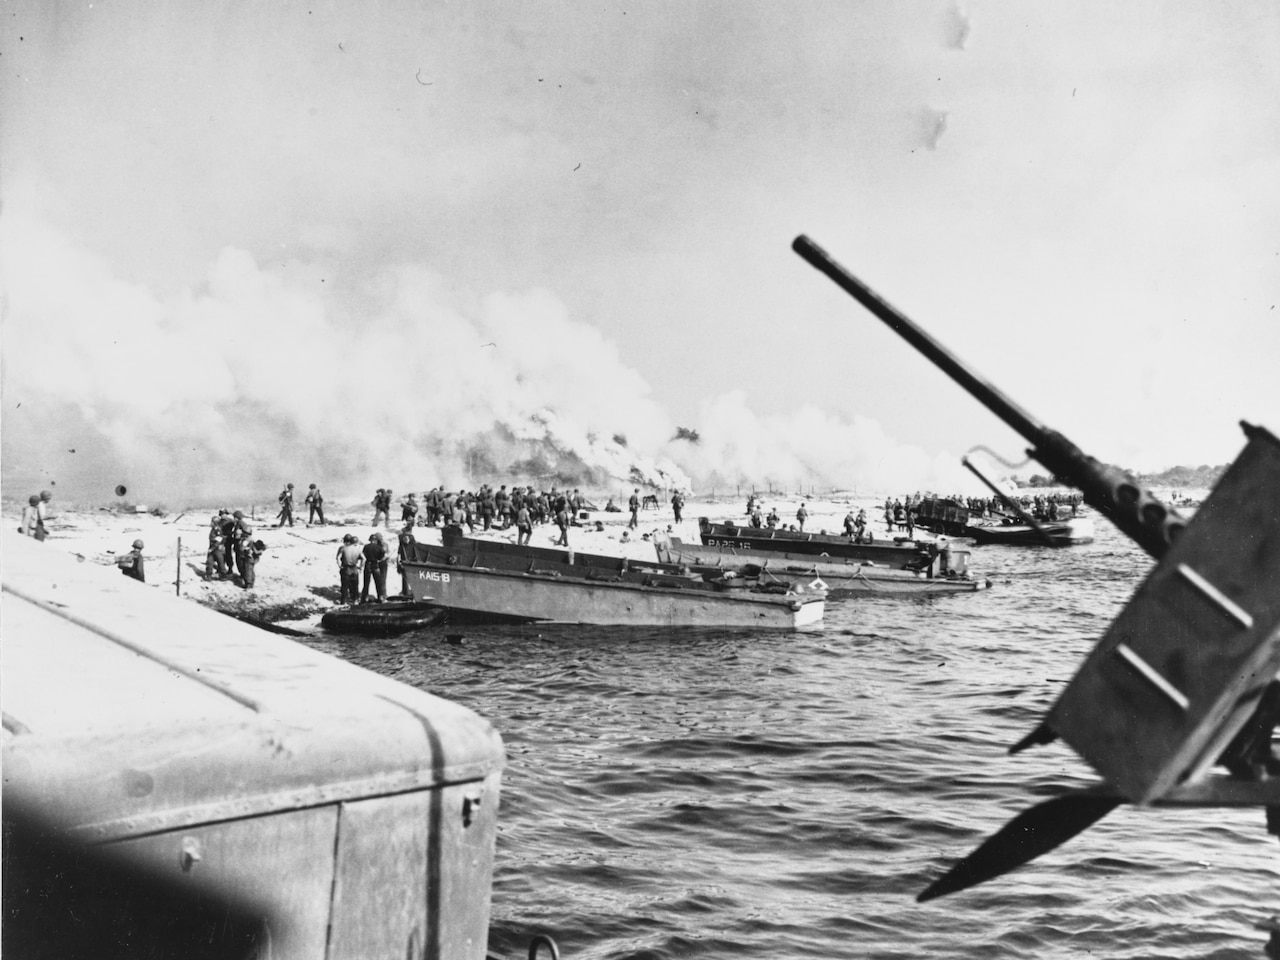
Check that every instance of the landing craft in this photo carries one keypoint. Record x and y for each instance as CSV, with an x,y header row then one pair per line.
x,y
1184,680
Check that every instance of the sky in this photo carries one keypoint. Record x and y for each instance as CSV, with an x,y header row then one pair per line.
x,y
412,243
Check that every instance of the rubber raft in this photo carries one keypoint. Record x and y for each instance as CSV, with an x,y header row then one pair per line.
x,y
381,619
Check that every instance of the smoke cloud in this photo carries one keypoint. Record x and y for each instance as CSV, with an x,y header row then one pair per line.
x,y
261,376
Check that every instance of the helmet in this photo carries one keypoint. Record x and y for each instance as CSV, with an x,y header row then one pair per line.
x,y
33,499
239,514
376,536
46,495
289,486
137,544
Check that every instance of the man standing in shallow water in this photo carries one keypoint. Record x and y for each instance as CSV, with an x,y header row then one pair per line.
x,y
350,561
375,568
407,551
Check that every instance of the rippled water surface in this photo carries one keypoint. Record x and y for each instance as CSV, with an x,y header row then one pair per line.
x,y
736,794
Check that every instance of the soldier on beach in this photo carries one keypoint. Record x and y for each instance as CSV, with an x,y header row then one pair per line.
x,y
462,511
801,516
524,524
350,561
677,504
375,568
228,525
315,501
502,502
634,504
30,516
381,507
131,564
42,514
241,534
432,502
771,520
250,552
286,505
215,559
561,507
409,509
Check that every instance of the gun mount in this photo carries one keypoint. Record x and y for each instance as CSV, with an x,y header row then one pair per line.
x,y
1184,678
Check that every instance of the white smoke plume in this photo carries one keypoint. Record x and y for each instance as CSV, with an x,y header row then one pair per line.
x,y
252,380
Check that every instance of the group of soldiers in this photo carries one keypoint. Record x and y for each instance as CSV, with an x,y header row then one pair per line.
x,y
490,509
314,500
902,515
232,547
486,507
372,559
758,519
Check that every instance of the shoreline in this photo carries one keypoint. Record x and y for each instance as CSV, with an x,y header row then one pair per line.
x,y
297,577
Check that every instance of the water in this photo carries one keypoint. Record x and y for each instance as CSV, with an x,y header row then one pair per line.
x,y
738,794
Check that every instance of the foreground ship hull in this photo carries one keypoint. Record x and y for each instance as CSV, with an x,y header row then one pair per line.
x,y
178,784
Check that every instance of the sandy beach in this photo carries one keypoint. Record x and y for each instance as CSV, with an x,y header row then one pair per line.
x,y
297,577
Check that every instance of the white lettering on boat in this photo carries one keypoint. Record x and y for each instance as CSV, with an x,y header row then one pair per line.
x,y
433,575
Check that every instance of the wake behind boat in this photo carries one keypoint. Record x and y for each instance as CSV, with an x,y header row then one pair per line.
x,y
499,582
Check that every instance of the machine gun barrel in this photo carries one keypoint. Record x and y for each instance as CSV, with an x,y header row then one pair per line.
x,y
1138,513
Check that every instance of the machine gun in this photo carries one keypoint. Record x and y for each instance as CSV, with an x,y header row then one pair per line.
x,y
1185,677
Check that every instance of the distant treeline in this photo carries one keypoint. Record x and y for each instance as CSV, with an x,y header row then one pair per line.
x,y
1203,476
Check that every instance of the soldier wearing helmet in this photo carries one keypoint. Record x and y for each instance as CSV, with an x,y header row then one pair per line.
x,y
30,516
242,543
131,564
42,514
286,505
375,568
407,551
250,551
215,559
315,501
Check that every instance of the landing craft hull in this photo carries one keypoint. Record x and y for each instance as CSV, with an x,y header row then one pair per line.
x,y
898,555
1060,534
847,577
505,596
